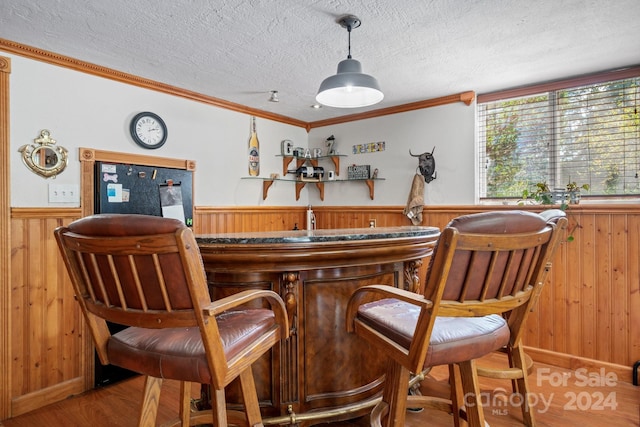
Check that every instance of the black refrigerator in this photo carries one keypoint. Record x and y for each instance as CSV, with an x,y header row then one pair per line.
x,y
139,189
148,190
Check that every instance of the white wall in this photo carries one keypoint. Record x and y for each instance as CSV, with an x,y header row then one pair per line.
x,y
82,110
449,128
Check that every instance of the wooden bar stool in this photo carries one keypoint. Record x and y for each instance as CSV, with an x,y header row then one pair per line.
x,y
145,272
484,265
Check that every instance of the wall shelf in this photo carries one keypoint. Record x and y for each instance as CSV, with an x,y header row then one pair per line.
x,y
300,184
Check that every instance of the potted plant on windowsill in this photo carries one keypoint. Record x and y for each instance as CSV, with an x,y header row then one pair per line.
x,y
541,194
573,191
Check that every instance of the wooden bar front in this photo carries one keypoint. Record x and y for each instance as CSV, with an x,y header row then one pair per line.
x,y
321,373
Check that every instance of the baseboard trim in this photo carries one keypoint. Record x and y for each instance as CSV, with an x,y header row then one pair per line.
x,y
37,399
568,361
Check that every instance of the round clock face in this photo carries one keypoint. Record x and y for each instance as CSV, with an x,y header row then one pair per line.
x,y
148,130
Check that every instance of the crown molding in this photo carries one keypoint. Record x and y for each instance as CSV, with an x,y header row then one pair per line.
x,y
119,76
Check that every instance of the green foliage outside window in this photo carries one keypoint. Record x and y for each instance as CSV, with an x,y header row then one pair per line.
x,y
588,134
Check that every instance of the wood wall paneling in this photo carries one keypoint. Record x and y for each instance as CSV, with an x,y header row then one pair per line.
x,y
620,291
633,280
5,229
587,315
47,339
47,342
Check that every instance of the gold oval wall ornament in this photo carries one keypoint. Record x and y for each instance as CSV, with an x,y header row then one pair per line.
x,y
43,157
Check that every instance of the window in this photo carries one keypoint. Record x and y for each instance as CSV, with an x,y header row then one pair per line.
x,y
583,130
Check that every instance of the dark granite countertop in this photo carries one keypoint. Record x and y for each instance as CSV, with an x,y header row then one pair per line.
x,y
322,235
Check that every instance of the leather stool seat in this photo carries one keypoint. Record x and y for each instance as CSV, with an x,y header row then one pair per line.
x,y
453,339
178,353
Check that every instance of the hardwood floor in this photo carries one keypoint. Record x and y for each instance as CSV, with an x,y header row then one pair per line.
x,y
562,398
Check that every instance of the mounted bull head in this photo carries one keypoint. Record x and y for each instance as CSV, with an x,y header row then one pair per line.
x,y
426,164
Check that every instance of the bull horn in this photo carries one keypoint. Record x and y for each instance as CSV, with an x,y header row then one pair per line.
x,y
414,155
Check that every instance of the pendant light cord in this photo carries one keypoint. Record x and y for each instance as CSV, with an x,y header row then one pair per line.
x,y
349,31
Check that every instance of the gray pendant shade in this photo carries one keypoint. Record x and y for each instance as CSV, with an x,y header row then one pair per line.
x,y
349,88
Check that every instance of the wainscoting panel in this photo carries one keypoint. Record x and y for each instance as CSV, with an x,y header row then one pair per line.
x,y
236,219
209,220
48,343
588,313
589,309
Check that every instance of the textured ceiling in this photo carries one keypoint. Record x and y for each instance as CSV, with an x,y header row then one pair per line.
x,y
238,51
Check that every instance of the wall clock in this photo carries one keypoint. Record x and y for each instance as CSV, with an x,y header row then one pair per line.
x,y
148,130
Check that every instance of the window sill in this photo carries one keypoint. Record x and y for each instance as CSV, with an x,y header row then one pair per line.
x,y
583,201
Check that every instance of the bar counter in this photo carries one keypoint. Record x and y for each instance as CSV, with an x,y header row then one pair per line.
x,y
332,235
308,250
321,373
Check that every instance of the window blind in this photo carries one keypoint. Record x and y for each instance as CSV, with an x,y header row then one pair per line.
x,y
587,134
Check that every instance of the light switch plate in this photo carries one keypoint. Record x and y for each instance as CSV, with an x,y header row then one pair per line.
x,y
64,193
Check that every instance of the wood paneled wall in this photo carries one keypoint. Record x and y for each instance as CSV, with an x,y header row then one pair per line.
x,y
588,313
48,344
589,308
5,229
229,220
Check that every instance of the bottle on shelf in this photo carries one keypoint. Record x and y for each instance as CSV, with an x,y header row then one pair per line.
x,y
254,151
312,172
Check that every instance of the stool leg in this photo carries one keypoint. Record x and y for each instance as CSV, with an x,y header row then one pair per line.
x,y
395,393
519,361
150,401
218,407
457,393
185,402
250,398
475,413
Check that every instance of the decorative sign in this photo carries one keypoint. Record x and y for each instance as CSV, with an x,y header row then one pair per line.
x,y
359,172
371,147
286,147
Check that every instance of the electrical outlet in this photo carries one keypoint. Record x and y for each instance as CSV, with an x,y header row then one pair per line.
x,y
372,223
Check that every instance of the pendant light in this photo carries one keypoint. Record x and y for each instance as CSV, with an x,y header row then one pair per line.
x,y
349,88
